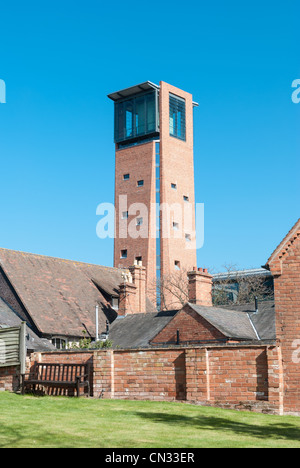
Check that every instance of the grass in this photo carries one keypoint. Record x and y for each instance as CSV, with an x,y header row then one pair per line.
x,y
59,422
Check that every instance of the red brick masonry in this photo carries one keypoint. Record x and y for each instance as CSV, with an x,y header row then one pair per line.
x,y
285,267
232,376
9,378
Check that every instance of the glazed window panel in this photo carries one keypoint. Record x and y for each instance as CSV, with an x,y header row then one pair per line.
x,y
136,117
177,117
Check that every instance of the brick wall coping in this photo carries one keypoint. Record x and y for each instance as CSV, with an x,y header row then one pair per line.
x,y
252,344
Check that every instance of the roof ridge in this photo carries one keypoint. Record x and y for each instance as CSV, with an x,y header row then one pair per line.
x,y
76,262
224,330
208,308
285,244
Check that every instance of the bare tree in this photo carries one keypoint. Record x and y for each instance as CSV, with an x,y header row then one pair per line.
x,y
172,290
241,287
232,287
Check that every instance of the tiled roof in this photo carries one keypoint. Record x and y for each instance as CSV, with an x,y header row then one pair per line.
x,y
231,323
136,330
264,320
61,295
9,318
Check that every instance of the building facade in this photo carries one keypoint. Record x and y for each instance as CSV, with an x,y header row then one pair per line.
x,y
284,265
154,180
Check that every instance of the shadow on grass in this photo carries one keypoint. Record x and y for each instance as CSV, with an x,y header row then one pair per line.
x,y
18,436
12,435
275,431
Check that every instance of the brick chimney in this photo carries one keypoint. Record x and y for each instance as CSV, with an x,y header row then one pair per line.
x,y
200,287
132,293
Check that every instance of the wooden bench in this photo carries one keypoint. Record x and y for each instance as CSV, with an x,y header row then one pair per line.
x,y
62,376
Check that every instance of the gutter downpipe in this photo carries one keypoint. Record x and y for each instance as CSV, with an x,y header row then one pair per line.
x,y
97,322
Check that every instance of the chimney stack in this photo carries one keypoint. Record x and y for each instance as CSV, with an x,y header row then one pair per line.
x,y
200,287
132,295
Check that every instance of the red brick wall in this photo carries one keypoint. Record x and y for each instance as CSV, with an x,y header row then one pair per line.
x,y
103,374
139,162
285,265
232,376
241,377
177,166
9,378
191,328
150,375
236,373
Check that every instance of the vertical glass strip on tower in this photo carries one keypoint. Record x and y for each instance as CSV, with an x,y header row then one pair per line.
x,y
158,230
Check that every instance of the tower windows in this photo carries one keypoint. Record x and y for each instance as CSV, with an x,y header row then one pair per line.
x,y
136,118
174,186
126,176
124,253
177,117
186,198
128,119
140,183
177,265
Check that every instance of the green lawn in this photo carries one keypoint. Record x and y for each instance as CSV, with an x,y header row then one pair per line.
x,y
27,421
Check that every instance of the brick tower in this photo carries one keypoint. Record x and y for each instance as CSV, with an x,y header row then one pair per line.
x,y
154,180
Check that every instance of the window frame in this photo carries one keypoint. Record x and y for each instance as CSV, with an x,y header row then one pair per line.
x,y
123,255
126,127
61,340
177,115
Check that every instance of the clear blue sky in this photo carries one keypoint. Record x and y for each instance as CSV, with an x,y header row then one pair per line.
x,y
60,59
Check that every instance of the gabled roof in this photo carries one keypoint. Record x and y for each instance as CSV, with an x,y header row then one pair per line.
x,y
61,295
231,323
137,330
9,318
284,246
264,320
237,323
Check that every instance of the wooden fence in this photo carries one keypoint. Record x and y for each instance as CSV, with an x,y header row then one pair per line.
x,y
13,347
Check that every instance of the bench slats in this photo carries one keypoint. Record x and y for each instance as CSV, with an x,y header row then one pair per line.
x,y
58,375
